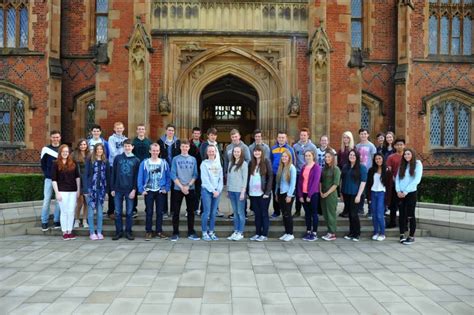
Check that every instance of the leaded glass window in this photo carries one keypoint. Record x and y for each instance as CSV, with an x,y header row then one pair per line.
x,y
365,117
450,125
356,23
101,12
450,30
467,38
435,127
232,112
90,116
12,119
14,23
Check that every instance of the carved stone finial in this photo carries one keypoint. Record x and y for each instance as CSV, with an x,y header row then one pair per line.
x,y
164,106
357,60
294,106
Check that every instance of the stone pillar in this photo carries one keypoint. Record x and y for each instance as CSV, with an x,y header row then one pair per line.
x,y
54,67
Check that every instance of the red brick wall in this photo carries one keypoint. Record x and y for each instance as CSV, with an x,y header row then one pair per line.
x,y
302,64
156,64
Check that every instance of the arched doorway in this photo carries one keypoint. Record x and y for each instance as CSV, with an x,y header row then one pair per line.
x,y
227,103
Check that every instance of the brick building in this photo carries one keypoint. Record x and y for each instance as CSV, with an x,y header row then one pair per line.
x,y
330,65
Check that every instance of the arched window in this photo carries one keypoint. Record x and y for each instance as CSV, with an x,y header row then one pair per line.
x,y
12,120
450,27
84,113
90,116
450,124
13,23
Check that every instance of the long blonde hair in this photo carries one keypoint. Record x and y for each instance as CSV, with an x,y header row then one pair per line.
x,y
351,141
103,158
285,169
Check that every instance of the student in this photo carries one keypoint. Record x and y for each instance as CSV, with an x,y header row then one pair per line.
x,y
380,142
66,182
300,147
141,149
49,154
96,132
379,186
237,174
95,186
393,163
169,148
116,141
322,149
275,155
259,189
154,183
124,186
406,184
79,156
354,178
347,144
257,136
183,173
212,185
308,194
388,147
366,150
285,188
212,140
195,151
330,178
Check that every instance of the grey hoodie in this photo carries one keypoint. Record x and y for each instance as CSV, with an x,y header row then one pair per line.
x,y
300,149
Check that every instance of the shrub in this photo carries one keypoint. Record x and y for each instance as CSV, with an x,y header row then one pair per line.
x,y
19,187
452,190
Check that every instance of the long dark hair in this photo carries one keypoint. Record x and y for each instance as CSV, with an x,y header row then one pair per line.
x,y
262,166
356,168
375,167
237,164
77,155
404,164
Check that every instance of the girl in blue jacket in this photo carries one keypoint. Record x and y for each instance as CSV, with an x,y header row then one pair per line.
x,y
285,188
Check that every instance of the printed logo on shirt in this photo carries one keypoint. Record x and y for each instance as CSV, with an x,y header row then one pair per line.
x,y
364,155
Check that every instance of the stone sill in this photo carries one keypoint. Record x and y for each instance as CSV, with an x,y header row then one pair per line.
x,y
445,59
158,32
452,150
19,52
439,206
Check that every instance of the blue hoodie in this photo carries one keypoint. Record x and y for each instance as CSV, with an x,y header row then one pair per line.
x,y
275,155
145,170
49,154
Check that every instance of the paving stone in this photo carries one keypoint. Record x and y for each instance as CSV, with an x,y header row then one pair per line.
x,y
216,309
401,308
29,308
279,309
216,297
367,305
339,308
78,292
269,283
63,306
425,305
307,306
457,308
189,292
99,297
245,292
247,306
185,306
153,309
91,309
300,292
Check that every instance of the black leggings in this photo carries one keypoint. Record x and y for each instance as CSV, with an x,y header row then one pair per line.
x,y
353,208
407,213
285,208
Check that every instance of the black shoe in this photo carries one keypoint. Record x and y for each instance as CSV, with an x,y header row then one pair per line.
x,y
135,214
297,214
130,236
44,227
390,226
231,216
57,225
343,215
117,237
348,237
410,240
402,238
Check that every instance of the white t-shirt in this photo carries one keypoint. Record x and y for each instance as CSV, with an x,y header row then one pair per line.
x,y
255,184
377,186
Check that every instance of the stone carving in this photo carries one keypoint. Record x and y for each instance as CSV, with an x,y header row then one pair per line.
x,y
294,106
189,51
164,106
261,72
198,71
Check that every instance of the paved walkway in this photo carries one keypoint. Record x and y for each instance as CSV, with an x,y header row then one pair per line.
x,y
45,275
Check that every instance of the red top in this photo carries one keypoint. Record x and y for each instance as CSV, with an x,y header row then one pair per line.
x,y
393,162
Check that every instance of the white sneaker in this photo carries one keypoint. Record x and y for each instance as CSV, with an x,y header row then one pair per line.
x,y
255,237
262,238
76,224
381,237
85,225
375,237
238,237
282,238
232,237
289,237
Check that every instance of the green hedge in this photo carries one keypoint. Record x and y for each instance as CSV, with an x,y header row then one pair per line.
x,y
454,190
19,187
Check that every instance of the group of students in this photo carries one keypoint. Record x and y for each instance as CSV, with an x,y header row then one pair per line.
x,y
196,170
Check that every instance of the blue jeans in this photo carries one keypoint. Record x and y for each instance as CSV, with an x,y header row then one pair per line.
x,y
238,206
209,206
262,221
118,200
157,200
311,212
378,211
47,194
90,216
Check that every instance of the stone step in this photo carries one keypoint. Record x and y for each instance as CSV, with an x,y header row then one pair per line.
x,y
222,231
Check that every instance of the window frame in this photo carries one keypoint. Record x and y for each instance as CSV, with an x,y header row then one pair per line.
x,y
5,5
361,21
93,21
439,10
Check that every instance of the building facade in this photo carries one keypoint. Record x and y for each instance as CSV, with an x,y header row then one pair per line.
x,y
330,65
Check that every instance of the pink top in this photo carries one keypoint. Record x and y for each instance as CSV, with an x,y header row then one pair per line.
x,y
305,175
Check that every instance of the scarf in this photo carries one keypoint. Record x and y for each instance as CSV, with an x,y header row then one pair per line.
x,y
97,194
